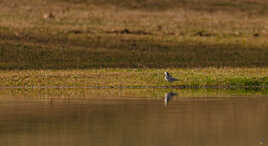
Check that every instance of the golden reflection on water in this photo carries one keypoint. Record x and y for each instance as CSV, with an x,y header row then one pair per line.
x,y
184,121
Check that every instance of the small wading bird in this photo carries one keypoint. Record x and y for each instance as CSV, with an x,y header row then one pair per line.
x,y
169,78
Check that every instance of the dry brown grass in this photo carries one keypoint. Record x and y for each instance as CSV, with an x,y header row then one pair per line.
x,y
86,34
183,17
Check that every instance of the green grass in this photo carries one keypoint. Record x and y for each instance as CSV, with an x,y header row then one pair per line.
x,y
90,43
198,77
122,51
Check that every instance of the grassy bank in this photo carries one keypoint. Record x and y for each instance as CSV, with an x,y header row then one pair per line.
x,y
198,77
118,43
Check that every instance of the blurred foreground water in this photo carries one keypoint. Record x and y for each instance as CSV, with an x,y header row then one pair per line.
x,y
127,121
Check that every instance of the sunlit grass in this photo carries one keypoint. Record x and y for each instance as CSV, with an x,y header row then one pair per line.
x,y
198,77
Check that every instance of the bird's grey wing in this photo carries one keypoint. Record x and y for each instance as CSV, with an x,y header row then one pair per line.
x,y
174,79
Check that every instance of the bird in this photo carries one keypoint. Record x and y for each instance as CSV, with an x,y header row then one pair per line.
x,y
168,97
169,78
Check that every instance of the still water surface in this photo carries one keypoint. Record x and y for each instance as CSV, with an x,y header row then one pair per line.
x,y
240,121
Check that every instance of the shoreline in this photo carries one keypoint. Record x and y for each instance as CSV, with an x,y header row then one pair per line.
x,y
135,87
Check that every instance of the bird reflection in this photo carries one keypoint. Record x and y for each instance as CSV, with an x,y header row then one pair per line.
x,y
168,97
262,140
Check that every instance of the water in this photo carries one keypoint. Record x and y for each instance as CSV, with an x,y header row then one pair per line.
x,y
235,121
